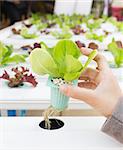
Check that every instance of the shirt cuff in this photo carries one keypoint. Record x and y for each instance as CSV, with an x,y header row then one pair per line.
x,y
114,124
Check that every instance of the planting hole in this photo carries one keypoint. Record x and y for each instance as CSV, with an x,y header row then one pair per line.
x,y
54,124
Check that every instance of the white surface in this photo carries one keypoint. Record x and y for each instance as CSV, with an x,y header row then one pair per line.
x,y
78,133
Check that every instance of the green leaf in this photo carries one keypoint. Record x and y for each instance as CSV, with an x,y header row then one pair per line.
x,y
25,55
95,36
6,55
43,45
41,26
90,58
10,50
116,52
120,26
49,49
24,33
15,58
42,63
35,18
72,64
64,34
3,51
63,62
63,48
112,20
73,68
72,76
96,24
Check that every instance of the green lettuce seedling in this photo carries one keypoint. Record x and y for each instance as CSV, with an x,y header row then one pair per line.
x,y
7,57
96,24
118,24
62,62
94,36
25,33
64,34
117,52
35,18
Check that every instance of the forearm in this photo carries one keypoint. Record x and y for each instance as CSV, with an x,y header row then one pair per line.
x,y
114,124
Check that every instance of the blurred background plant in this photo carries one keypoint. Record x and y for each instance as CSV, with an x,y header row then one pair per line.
x,y
16,10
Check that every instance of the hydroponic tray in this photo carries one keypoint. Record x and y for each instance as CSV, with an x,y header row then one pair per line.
x,y
78,133
28,97
7,37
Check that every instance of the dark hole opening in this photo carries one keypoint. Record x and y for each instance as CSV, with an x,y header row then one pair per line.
x,y
54,123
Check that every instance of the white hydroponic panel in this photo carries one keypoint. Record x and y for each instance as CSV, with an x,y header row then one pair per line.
x,y
78,133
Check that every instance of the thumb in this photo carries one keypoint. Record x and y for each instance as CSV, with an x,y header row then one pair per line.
x,y
83,94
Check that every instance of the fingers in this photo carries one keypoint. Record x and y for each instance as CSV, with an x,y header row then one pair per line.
x,y
100,59
85,51
101,62
87,85
83,94
89,74
85,78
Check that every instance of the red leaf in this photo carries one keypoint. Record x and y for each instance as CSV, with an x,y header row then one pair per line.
x,y
24,70
77,30
19,77
5,75
30,78
15,69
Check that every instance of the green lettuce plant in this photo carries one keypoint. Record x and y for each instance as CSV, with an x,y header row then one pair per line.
x,y
117,53
118,24
6,55
70,21
96,23
94,36
35,18
62,61
41,26
64,34
25,34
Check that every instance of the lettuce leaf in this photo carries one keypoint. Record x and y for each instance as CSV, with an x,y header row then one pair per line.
x,y
118,24
72,76
35,18
14,59
63,48
95,36
6,56
49,49
116,52
73,68
41,26
64,34
96,24
25,34
90,58
3,51
42,63
62,62
72,64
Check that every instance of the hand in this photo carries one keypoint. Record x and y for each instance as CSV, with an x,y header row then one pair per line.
x,y
99,88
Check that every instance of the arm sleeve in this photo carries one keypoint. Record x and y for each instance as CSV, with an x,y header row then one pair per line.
x,y
114,124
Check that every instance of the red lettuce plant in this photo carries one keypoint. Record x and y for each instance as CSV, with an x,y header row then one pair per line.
x,y
21,76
